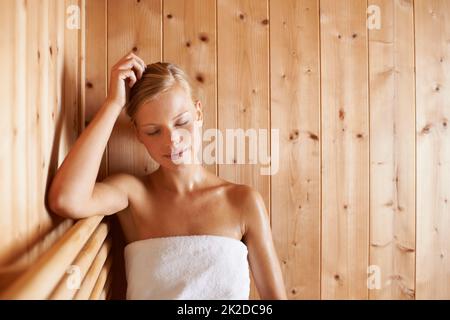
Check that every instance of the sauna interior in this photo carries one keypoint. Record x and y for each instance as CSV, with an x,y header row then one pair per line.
x,y
358,89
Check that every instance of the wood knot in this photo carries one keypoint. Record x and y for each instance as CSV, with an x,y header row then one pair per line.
x,y
169,16
437,88
336,277
203,37
265,22
359,135
389,203
341,114
188,44
89,85
294,291
313,136
135,49
354,35
200,78
241,16
50,49
426,129
39,54
339,36
294,135
345,206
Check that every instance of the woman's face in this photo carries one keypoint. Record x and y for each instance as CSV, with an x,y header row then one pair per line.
x,y
167,126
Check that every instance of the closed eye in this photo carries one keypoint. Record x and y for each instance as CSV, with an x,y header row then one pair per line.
x,y
184,123
152,133
178,125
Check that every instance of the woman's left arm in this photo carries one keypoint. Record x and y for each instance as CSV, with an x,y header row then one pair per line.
x,y
263,259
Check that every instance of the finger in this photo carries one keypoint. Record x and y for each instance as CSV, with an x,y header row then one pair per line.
x,y
128,74
124,58
133,63
120,62
139,59
141,62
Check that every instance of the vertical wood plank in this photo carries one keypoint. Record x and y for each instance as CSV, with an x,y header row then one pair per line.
x,y
243,83
138,30
9,14
190,41
32,122
392,152
295,111
19,110
432,29
71,126
96,65
345,149
42,223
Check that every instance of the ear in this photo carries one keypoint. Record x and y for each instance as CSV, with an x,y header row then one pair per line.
x,y
199,112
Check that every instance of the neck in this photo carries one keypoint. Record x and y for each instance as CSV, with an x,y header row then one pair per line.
x,y
181,180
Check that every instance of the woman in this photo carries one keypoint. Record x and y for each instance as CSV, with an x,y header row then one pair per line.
x,y
189,232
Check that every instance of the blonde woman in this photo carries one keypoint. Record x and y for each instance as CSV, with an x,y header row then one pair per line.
x,y
189,233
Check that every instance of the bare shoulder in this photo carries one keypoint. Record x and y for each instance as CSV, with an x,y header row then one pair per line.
x,y
242,195
123,181
249,203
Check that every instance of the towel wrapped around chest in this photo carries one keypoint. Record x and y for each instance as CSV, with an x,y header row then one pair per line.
x,y
187,267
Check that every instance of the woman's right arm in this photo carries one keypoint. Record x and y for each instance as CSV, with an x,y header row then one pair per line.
x,y
74,192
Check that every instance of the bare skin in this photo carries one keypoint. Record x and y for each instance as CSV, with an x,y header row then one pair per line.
x,y
176,199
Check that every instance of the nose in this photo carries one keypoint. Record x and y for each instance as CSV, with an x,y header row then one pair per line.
x,y
173,138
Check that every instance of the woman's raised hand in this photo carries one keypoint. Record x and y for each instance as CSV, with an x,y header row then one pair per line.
x,y
128,69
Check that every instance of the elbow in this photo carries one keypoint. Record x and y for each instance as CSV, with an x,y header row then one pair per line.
x,y
61,207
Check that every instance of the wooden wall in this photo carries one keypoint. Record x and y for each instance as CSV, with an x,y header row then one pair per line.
x,y
40,96
359,206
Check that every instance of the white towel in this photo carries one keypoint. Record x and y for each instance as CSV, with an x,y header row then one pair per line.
x,y
187,267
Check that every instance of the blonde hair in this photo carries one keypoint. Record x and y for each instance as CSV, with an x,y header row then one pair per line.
x,y
157,78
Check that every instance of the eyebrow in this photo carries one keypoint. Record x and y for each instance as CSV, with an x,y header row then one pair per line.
x,y
153,124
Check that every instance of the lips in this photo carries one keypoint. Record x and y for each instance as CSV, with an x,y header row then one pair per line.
x,y
177,153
